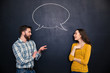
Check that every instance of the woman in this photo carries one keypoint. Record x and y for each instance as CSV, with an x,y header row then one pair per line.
x,y
80,52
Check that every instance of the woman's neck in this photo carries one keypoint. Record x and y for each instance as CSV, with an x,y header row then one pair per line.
x,y
81,42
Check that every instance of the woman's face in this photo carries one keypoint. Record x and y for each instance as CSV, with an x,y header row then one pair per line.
x,y
77,35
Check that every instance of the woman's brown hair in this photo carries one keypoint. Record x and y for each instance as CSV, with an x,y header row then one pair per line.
x,y
84,36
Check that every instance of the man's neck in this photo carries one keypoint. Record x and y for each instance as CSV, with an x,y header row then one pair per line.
x,y
23,38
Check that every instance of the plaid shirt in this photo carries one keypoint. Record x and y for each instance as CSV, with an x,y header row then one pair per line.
x,y
23,53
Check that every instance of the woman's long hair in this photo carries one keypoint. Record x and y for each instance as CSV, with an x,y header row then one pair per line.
x,y
84,36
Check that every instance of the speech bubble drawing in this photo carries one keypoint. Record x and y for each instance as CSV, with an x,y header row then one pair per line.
x,y
60,24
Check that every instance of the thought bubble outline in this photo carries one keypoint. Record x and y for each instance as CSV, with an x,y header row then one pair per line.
x,y
61,24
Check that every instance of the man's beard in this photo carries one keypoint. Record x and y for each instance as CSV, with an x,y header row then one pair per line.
x,y
27,37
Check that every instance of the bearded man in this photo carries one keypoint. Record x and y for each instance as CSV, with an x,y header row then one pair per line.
x,y
25,51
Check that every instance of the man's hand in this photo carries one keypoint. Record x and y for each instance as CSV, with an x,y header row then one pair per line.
x,y
42,48
34,55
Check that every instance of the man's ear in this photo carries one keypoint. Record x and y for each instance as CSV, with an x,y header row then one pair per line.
x,y
23,32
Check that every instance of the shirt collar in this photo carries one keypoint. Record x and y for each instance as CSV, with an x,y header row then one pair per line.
x,y
20,40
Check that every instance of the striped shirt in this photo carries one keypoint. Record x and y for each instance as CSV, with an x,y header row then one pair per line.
x,y
23,52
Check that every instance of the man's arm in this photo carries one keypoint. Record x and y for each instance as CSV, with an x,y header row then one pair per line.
x,y
19,56
38,53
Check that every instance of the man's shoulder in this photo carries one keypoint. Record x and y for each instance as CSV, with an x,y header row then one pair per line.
x,y
31,41
16,42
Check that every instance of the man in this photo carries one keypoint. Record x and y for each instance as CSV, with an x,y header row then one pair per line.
x,y
25,51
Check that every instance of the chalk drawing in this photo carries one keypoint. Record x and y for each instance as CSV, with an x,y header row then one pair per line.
x,y
56,26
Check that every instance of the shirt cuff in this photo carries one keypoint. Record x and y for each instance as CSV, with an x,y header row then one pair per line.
x,y
38,55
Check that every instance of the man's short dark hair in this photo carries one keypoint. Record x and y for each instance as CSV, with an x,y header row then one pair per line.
x,y
23,28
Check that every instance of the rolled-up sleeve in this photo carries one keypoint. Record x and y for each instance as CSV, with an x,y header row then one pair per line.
x,y
38,55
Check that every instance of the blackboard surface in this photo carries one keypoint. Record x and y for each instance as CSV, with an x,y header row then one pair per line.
x,y
53,23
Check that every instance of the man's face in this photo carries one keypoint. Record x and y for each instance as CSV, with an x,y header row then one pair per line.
x,y
27,33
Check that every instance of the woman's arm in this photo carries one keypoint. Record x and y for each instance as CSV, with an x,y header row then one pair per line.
x,y
86,57
71,56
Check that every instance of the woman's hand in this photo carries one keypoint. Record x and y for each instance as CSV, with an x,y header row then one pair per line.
x,y
77,47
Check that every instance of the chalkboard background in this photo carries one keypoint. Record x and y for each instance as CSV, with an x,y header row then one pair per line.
x,y
91,15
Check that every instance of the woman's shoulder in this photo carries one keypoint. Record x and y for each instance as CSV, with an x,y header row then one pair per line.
x,y
74,44
88,45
